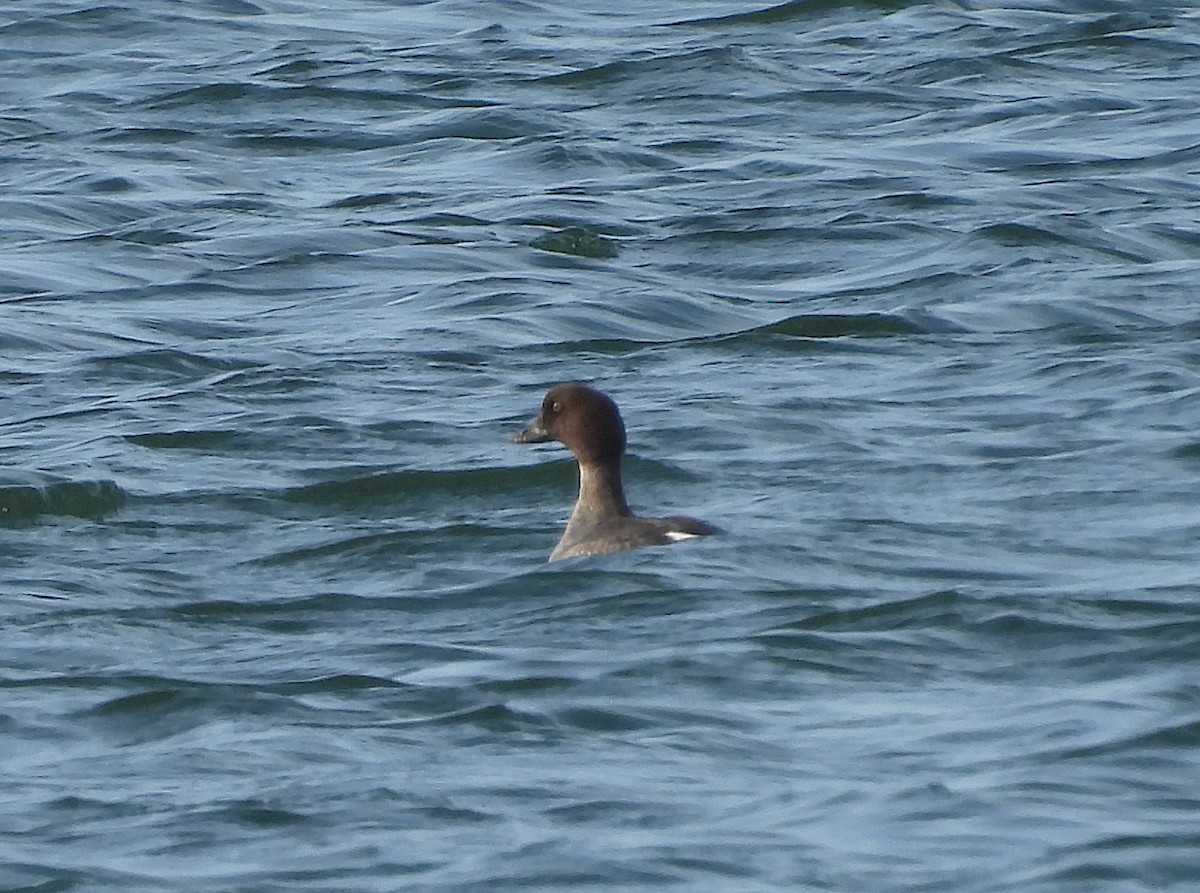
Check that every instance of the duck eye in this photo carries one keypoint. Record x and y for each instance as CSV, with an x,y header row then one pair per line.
x,y
556,407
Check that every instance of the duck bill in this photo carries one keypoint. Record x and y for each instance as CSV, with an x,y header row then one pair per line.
x,y
534,433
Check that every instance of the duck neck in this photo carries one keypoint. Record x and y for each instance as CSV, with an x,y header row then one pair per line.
x,y
600,493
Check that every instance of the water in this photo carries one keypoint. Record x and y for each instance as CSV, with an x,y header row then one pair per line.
x,y
902,295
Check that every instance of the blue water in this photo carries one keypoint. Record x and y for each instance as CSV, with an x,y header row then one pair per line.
x,y
901,295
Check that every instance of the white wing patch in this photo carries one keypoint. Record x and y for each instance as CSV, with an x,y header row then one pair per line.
x,y
676,535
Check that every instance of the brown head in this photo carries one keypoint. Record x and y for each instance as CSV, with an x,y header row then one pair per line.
x,y
583,420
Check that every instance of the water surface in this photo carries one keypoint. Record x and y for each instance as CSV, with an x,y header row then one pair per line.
x,y
901,295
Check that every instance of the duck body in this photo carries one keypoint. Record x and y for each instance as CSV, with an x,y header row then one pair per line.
x,y
588,423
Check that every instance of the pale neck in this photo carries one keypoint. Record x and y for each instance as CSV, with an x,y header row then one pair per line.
x,y
600,493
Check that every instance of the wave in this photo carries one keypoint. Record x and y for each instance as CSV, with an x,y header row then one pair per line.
x,y
370,486
39,494
782,13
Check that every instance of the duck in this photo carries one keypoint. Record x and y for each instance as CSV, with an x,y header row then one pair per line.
x,y
587,422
